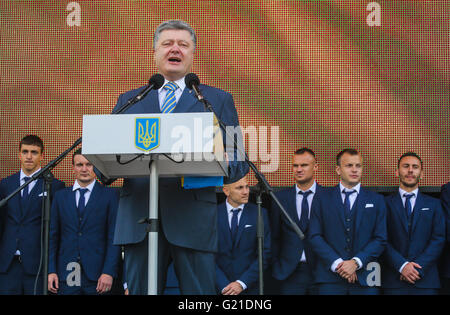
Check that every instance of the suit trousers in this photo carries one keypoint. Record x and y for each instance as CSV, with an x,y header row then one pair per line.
x,y
300,282
345,289
195,270
15,281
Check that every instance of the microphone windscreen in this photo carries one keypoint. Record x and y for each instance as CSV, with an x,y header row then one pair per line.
x,y
191,79
157,80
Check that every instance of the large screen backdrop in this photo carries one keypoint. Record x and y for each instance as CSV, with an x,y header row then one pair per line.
x,y
373,75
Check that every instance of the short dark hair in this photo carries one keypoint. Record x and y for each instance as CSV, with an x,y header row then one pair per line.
x,y
305,150
410,153
32,140
75,153
348,151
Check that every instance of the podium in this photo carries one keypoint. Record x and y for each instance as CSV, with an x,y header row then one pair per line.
x,y
154,145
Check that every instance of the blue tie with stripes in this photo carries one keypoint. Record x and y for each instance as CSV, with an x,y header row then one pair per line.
x,y
170,101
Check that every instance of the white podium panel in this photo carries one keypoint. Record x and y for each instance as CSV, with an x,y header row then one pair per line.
x,y
194,140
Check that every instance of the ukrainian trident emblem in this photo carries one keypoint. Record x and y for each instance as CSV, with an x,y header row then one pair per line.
x,y
147,133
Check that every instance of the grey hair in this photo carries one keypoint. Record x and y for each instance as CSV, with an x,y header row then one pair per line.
x,y
174,25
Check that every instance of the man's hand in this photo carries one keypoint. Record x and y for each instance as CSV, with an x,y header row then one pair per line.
x,y
104,283
409,273
346,268
234,288
353,278
53,283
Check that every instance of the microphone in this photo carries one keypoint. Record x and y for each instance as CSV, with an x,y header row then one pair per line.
x,y
192,82
155,82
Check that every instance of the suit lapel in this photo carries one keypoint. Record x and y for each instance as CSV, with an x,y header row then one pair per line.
x,y
242,223
224,225
337,200
33,197
399,211
94,199
292,206
416,212
188,103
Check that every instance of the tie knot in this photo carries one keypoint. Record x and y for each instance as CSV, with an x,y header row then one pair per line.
x,y
408,196
305,193
348,192
236,211
171,86
82,191
26,178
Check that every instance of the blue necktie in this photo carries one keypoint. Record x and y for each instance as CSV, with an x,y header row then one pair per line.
x,y
347,202
234,224
170,101
408,206
304,217
25,193
81,201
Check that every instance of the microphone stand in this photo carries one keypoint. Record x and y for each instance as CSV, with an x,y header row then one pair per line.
x,y
262,186
45,173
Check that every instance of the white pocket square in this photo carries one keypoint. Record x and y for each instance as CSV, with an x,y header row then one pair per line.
x,y
369,205
42,194
425,209
247,226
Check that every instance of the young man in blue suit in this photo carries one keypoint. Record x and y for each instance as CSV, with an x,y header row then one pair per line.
x,y
445,201
293,258
188,220
82,257
21,222
237,269
347,232
416,234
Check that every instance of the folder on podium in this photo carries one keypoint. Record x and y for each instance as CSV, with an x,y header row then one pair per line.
x,y
154,145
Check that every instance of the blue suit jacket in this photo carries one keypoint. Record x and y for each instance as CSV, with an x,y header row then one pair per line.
x,y
241,261
188,216
328,236
445,200
88,241
422,244
22,232
287,247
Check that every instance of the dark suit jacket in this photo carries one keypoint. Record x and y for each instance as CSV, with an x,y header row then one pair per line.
x,y
328,236
188,216
445,200
87,240
241,261
287,247
20,226
422,243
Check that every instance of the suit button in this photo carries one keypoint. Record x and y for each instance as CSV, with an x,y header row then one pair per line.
x,y
348,240
348,220
348,230
79,234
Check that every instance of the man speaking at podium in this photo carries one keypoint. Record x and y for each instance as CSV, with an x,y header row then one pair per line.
x,y
188,222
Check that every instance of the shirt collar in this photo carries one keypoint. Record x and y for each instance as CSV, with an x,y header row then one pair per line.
x,y
180,83
402,192
89,187
357,188
230,207
312,188
22,174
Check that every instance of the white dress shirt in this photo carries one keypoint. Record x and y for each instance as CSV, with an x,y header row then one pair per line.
x,y
230,215
352,199
87,194
298,201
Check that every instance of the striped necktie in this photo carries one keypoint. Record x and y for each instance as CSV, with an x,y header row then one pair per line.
x,y
170,101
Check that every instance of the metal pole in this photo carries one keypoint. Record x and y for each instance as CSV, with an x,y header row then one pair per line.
x,y
153,231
